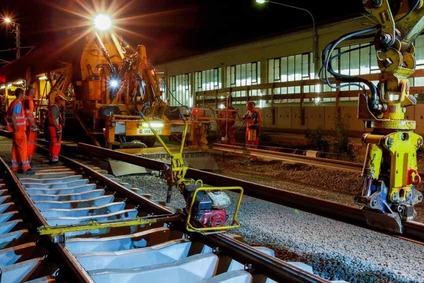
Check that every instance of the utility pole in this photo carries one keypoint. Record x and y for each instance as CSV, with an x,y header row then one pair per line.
x,y
18,40
16,28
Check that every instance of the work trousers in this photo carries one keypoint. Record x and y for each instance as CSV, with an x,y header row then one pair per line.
x,y
19,151
55,143
31,142
252,137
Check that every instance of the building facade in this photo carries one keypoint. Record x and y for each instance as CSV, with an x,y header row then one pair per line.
x,y
281,75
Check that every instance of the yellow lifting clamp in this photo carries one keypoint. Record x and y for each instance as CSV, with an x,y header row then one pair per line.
x,y
390,170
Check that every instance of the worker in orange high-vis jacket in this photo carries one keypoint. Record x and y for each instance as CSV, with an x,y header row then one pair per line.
x,y
16,122
31,125
56,121
253,120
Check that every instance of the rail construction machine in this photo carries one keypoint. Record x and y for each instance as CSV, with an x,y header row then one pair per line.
x,y
114,93
390,169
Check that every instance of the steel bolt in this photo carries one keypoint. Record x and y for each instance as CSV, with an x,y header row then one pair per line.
x,y
385,38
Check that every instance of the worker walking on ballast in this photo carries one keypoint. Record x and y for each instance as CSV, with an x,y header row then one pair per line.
x,y
16,122
55,121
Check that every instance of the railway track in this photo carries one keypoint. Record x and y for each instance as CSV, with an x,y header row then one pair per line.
x,y
412,230
62,263
273,154
57,206
289,157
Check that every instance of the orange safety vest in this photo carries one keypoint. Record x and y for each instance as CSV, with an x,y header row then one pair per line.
x,y
20,118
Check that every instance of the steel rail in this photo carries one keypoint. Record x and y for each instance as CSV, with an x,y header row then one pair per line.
x,y
290,157
255,262
348,214
273,268
261,263
77,271
147,204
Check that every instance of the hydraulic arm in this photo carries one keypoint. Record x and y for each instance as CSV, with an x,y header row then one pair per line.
x,y
390,169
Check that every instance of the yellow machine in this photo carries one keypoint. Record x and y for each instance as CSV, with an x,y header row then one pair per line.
x,y
390,168
120,92
113,90
114,93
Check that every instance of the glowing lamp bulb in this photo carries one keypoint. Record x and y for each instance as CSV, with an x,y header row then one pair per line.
x,y
102,22
113,83
7,20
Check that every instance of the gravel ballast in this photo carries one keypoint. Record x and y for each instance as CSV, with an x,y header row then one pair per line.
x,y
335,250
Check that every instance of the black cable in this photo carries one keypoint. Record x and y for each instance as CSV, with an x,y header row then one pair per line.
x,y
327,67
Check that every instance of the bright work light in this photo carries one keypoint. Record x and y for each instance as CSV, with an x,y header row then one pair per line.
x,y
102,22
113,83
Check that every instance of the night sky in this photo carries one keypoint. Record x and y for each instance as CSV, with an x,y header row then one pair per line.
x,y
170,29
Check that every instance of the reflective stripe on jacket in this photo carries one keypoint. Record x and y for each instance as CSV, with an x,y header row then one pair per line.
x,y
20,117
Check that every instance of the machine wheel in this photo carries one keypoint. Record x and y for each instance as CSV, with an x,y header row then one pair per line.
x,y
149,141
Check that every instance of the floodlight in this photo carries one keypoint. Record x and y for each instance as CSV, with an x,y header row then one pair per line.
x,y
102,22
113,83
